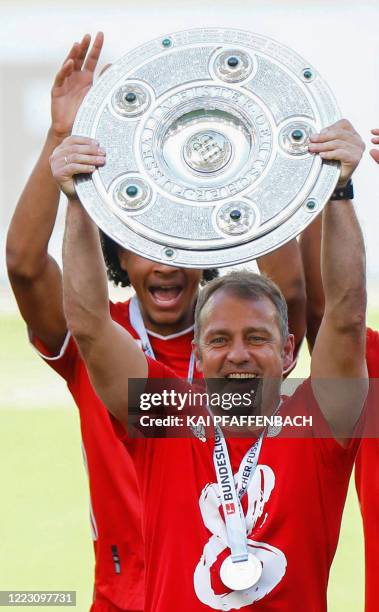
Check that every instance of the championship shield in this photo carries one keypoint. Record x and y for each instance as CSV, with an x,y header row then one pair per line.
x,y
206,133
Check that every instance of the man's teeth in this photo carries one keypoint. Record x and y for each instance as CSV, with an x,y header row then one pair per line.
x,y
242,375
166,292
166,288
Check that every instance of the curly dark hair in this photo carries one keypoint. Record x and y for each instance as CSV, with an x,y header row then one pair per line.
x,y
118,276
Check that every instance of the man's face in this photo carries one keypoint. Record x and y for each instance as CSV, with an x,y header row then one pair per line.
x,y
167,295
240,338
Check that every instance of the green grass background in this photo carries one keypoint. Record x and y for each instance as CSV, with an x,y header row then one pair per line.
x,y
44,520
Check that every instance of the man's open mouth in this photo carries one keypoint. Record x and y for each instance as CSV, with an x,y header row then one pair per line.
x,y
166,295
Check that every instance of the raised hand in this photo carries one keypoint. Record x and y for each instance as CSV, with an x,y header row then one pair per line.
x,y
342,143
72,83
375,152
76,155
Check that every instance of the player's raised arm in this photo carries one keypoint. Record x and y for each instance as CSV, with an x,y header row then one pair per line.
x,y
339,353
109,351
310,248
34,275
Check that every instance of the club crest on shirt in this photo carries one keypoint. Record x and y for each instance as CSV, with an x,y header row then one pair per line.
x,y
273,560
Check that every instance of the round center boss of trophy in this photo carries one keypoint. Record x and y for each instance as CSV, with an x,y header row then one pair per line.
x,y
206,133
207,151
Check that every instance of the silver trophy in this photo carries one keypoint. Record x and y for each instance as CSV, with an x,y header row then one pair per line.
x,y
207,133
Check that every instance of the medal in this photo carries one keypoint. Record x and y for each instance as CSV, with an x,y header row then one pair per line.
x,y
240,575
241,570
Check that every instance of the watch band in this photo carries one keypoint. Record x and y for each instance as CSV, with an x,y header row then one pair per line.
x,y
343,193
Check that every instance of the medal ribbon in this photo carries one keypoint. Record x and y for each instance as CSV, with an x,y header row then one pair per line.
x,y
230,495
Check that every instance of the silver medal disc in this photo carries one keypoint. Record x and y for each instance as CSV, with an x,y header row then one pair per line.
x,y
241,575
206,133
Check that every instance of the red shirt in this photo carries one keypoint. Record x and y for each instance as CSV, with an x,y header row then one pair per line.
x,y
115,503
293,509
367,484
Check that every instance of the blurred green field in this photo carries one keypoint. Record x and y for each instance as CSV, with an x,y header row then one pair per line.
x,y
45,533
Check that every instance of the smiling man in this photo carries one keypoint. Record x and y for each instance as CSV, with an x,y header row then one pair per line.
x,y
259,322
286,528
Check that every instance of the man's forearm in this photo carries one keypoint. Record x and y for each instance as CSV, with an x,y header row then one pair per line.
x,y
338,367
84,278
109,351
34,218
343,264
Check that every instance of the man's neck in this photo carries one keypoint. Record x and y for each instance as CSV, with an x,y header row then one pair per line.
x,y
168,329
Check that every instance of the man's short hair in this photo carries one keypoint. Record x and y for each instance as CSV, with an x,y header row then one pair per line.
x,y
118,276
247,286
